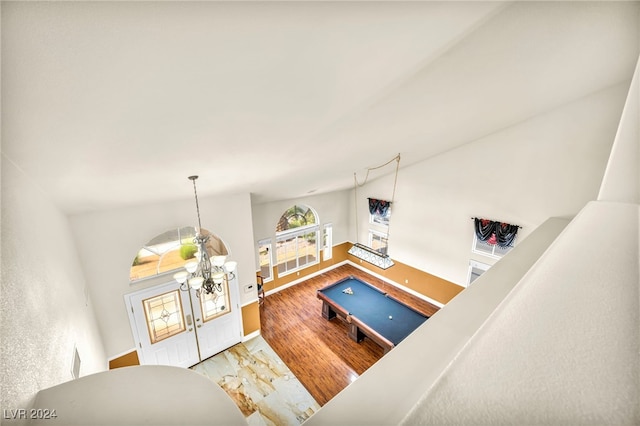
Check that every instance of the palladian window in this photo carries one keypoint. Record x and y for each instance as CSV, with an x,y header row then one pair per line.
x,y
296,239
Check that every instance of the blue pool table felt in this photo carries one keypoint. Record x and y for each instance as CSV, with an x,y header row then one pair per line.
x,y
373,307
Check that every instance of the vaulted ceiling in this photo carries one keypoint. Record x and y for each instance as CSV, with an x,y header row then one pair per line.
x,y
108,104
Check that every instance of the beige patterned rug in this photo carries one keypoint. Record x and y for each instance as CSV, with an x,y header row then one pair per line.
x,y
261,385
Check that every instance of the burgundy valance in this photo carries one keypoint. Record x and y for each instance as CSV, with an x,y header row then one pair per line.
x,y
379,207
494,232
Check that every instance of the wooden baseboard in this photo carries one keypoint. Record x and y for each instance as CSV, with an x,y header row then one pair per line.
x,y
125,360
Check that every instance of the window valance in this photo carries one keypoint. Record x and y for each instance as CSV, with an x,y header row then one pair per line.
x,y
379,207
494,232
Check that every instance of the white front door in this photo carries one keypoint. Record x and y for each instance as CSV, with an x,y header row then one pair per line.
x,y
163,322
217,319
180,328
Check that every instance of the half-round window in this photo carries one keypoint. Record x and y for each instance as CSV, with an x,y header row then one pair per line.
x,y
295,217
169,251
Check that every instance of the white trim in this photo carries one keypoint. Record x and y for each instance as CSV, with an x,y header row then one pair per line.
x,y
270,249
250,302
380,234
327,241
348,262
280,237
476,264
400,286
121,354
300,229
493,254
299,268
134,330
251,335
372,219
306,277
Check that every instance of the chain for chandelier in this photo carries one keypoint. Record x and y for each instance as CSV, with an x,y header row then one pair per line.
x,y
204,275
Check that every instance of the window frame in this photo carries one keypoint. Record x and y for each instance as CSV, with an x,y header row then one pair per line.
x,y
474,264
327,241
295,233
382,236
497,252
266,242
377,219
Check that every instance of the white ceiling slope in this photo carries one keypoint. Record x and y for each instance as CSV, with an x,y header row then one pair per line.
x,y
107,104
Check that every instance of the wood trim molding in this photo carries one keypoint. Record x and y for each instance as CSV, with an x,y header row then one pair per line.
x,y
126,360
424,285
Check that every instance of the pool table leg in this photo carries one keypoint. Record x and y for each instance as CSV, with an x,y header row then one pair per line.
x,y
355,333
327,312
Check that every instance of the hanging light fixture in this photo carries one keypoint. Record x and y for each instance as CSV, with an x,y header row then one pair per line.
x,y
368,254
205,274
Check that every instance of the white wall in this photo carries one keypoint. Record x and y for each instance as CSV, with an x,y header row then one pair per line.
x,y
562,347
622,178
45,309
109,240
547,166
331,207
106,399
387,391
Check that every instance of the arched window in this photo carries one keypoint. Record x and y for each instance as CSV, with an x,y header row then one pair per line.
x,y
296,239
169,251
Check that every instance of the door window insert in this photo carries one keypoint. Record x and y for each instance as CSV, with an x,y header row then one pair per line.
x,y
164,316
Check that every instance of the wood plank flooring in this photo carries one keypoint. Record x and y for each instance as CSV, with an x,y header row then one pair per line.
x,y
317,351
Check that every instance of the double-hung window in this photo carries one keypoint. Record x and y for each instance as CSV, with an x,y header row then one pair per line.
x,y
378,241
379,230
327,243
264,254
490,250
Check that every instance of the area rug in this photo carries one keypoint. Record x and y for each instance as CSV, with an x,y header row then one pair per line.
x,y
260,384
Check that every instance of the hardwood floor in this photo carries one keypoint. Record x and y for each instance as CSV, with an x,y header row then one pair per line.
x,y
317,351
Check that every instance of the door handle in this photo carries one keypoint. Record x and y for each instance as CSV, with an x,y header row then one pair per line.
x,y
190,328
189,319
199,325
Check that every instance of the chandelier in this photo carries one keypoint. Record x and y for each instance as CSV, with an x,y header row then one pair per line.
x,y
205,274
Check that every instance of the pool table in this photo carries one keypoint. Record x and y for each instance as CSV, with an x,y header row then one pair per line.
x,y
369,312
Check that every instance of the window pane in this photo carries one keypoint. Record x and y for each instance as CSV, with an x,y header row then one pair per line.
x,y
311,246
327,243
264,253
169,251
380,219
215,304
281,255
291,258
287,256
295,217
302,252
501,251
483,247
164,316
296,239
378,242
176,257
